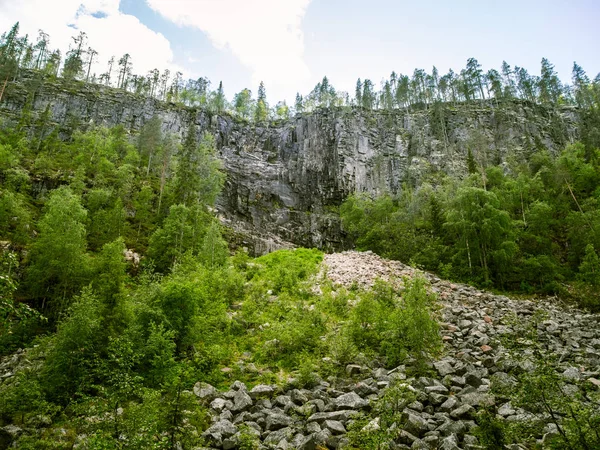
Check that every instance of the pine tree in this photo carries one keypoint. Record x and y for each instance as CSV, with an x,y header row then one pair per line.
x,y
299,105
358,93
550,87
261,111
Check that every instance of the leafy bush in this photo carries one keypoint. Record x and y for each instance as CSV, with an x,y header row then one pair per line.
x,y
396,324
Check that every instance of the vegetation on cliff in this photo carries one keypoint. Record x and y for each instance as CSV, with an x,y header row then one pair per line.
x,y
532,228
116,274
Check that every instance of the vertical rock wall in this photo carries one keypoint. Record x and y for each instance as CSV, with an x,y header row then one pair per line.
x,y
286,180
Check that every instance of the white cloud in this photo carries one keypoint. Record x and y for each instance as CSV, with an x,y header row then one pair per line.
x,y
265,35
110,32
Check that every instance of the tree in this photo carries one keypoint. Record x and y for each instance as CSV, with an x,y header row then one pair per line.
x,y
358,93
125,71
74,62
483,232
261,111
242,103
182,231
58,258
526,84
550,87
41,46
368,95
475,75
282,111
299,105
198,177
9,52
509,82
149,143
495,82
91,59
214,251
589,269
109,272
581,85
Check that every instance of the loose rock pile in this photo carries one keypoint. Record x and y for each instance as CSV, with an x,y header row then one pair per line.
x,y
442,417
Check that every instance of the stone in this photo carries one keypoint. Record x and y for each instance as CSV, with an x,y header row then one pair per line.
x,y
449,404
275,437
438,389
298,397
261,391
241,401
353,369
219,431
478,399
283,400
594,381
416,406
219,404
373,425
205,391
238,386
350,400
473,379
462,412
444,368
313,427
275,421
449,443
415,424
335,426
342,416
572,373
506,410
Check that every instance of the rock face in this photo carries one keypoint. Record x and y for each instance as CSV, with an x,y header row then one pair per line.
x,y
286,179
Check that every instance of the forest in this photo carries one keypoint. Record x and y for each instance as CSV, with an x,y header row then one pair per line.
x,y
114,346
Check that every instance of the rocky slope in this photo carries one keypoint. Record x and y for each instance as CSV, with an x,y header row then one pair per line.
x,y
286,179
475,327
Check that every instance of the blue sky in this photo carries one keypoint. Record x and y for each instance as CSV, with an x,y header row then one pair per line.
x,y
292,44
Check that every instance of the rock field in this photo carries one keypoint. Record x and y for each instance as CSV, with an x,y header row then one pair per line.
x,y
472,322
474,361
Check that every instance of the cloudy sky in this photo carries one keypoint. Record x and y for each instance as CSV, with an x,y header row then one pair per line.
x,y
292,44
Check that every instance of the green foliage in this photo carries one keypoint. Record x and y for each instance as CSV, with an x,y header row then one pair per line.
x,y
383,426
58,266
397,325
198,176
527,230
72,351
181,232
214,250
283,271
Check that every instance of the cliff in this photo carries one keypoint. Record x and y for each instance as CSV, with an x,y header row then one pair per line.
x,y
285,180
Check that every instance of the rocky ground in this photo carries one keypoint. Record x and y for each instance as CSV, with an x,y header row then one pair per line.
x,y
472,324
475,361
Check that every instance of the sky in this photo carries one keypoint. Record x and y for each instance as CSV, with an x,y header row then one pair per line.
x,y
292,44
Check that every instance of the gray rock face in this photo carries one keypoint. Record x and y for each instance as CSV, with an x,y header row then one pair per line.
x,y
284,178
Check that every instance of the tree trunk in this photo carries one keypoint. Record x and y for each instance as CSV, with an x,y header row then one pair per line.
x,y
3,88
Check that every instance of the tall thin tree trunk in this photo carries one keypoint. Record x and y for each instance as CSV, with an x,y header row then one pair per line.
x,y
3,88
